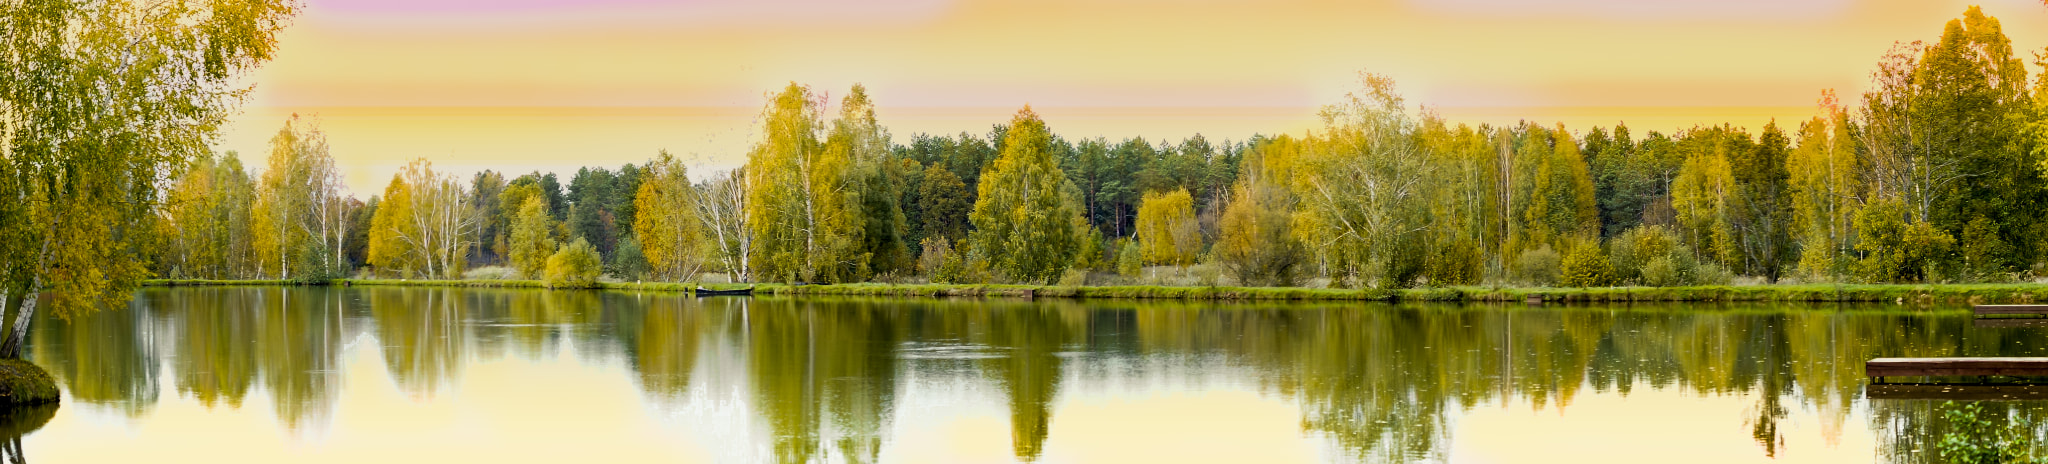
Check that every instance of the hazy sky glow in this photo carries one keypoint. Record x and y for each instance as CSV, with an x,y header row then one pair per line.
x,y
1470,58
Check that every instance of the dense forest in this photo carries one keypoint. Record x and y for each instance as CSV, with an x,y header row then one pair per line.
x,y
1935,177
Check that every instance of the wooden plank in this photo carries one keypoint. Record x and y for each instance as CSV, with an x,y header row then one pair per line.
x,y
1948,367
2010,322
2003,310
1882,391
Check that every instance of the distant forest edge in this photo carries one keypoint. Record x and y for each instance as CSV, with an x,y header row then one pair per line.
x,y
1916,295
1937,177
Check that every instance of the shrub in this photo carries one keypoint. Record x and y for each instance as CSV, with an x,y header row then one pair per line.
x,y
1896,250
1256,242
933,256
1631,251
1128,261
1585,266
1978,436
1538,266
629,262
576,265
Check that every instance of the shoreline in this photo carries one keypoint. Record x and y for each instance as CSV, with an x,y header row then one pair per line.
x,y
1818,293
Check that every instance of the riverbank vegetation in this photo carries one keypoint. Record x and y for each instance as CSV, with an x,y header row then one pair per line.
x,y
1934,178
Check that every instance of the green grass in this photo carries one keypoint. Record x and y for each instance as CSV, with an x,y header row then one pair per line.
x,y
1940,293
22,382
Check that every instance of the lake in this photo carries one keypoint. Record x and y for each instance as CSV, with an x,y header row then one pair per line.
x,y
313,374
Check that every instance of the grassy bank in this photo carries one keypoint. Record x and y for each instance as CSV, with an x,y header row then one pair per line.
x,y
23,383
1923,294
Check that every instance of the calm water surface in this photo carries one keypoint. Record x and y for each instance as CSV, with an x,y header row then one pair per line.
x,y
461,375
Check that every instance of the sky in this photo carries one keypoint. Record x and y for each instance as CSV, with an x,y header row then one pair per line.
x,y
522,85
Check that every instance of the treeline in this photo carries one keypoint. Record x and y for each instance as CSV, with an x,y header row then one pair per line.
x,y
1935,177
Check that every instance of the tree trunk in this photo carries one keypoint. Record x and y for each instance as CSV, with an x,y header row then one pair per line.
x,y
10,348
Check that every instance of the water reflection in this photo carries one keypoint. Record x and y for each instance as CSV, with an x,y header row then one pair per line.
x,y
824,379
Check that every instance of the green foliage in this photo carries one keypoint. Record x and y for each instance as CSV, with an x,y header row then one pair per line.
x,y
1978,436
628,261
531,243
1896,250
1540,266
574,266
100,102
1022,217
1257,244
1585,266
1981,254
944,202
1128,260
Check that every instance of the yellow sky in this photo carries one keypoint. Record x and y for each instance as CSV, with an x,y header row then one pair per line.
x,y
1116,68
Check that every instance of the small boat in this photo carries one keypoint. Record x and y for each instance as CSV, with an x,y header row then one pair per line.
x,y
701,291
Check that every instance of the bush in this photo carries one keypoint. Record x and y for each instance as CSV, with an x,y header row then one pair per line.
x,y
1128,260
1896,250
1978,436
1538,266
574,266
1631,251
629,261
1586,266
936,252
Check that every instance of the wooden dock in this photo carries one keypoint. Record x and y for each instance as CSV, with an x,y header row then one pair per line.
x,y
2010,310
1956,367
1971,392
2009,322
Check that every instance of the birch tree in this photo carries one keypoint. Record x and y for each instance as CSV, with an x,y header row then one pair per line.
x,y
804,210
1023,217
666,221
722,205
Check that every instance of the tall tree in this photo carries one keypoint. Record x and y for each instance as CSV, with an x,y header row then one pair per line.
x,y
425,224
1826,188
531,241
208,214
667,225
1022,219
723,206
803,209
302,207
1361,186
1167,231
99,99
857,134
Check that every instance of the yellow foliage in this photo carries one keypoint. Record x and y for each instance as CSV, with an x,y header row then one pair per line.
x,y
1167,232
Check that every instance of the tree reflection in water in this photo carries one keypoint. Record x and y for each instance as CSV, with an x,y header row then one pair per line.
x,y
822,376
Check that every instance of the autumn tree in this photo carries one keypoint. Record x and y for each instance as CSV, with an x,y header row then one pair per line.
x,y
1939,126
425,224
1256,244
803,208
667,225
98,101
531,240
302,207
1167,231
857,136
1022,219
1826,188
1360,186
207,215
722,205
